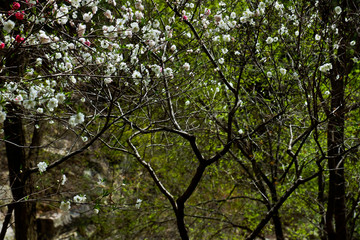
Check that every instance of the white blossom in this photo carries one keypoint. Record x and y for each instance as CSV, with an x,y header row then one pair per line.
x,y
168,72
138,203
135,27
283,71
136,74
76,119
42,166
217,18
338,10
186,66
108,14
9,25
2,116
326,67
81,29
79,198
269,40
63,179
65,206
87,16
226,38
75,3
60,97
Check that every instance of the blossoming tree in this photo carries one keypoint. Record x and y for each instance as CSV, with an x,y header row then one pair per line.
x,y
254,94
54,80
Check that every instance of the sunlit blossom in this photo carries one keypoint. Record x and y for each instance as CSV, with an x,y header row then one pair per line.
x,y
79,198
325,68
186,66
42,166
9,25
138,203
76,119
63,179
282,71
65,206
338,10
269,40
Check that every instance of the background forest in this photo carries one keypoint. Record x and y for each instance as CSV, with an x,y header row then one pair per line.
x,y
154,119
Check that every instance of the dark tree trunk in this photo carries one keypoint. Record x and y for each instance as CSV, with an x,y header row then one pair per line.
x,y
278,226
336,209
276,217
21,183
336,223
181,222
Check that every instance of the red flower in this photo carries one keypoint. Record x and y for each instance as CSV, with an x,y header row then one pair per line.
x,y
185,17
87,43
19,39
2,45
20,15
16,6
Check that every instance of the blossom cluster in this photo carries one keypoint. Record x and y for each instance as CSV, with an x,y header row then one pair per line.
x,y
115,46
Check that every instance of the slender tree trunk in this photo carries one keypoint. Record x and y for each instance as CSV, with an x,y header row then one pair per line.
x,y
336,224
180,222
6,221
321,202
276,217
278,226
336,209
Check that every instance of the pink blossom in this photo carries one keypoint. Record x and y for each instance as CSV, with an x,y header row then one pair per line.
x,y
207,12
2,45
87,43
20,15
19,39
15,6
185,18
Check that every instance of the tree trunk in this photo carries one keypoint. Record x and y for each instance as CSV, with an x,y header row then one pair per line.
x,y
180,222
276,217
336,209
336,224
278,226
21,183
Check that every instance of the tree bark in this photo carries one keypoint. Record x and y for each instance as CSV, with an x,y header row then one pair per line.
x,y
20,182
6,221
336,224
336,209
180,222
278,226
